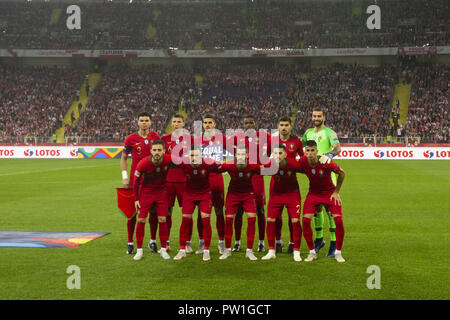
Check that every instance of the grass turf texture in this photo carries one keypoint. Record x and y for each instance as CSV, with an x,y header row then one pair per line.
x,y
395,217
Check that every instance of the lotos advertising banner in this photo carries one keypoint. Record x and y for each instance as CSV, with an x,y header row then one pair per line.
x,y
395,153
351,153
38,152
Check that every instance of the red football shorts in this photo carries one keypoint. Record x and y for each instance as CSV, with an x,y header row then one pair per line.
x,y
277,201
217,189
313,202
236,200
203,201
260,191
148,200
175,190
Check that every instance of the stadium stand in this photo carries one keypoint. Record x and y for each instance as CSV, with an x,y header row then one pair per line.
x,y
226,25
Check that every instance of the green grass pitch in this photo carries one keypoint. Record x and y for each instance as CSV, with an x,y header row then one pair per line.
x,y
396,216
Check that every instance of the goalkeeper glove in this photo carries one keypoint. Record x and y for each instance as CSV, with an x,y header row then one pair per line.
x,y
326,157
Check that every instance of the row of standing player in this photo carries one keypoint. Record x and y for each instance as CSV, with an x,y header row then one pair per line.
x,y
139,145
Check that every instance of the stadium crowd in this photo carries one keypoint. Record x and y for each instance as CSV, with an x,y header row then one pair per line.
x,y
357,99
124,91
34,100
429,103
235,25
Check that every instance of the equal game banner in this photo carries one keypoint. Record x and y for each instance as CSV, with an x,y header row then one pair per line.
x,y
105,152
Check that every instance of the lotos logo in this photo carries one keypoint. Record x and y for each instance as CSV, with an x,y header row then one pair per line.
x,y
28,153
73,152
6,153
428,154
351,154
379,154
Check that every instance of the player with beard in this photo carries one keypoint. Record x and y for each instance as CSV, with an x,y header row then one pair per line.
x,y
150,190
138,144
258,143
293,147
328,147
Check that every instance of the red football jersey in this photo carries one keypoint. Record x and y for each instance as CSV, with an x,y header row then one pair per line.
x,y
257,145
212,148
285,179
294,147
184,143
241,180
139,147
197,179
319,176
154,177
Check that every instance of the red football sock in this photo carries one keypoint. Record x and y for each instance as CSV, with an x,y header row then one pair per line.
x,y
140,232
261,223
278,227
184,232
296,234
271,231
131,224
291,236
228,232
153,221
251,222
163,234
307,232
199,225
220,226
339,231
207,231
238,224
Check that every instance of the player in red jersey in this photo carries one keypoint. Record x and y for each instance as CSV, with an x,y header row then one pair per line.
x,y
138,144
284,193
321,192
294,148
151,192
213,142
240,194
197,194
258,143
178,141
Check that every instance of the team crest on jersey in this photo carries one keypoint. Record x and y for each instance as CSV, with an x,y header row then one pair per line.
x,y
158,169
281,172
210,143
319,138
177,141
146,141
241,174
195,171
313,171
250,139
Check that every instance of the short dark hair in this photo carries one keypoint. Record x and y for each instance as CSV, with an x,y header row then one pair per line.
x,y
248,115
156,142
318,109
196,147
177,115
209,116
311,143
241,147
144,114
285,118
279,146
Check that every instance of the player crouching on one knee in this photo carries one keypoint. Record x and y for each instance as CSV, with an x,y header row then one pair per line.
x,y
321,192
